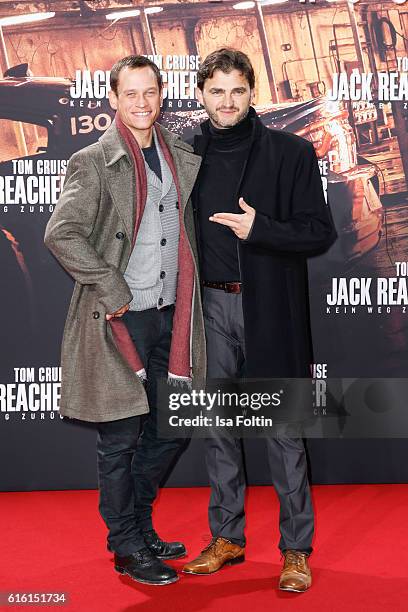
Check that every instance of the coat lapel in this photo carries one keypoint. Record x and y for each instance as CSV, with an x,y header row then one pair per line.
x,y
186,162
120,176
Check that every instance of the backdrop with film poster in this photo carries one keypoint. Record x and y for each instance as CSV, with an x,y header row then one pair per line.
x,y
333,73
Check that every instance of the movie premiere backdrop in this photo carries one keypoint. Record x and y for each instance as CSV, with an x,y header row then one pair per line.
x,y
333,72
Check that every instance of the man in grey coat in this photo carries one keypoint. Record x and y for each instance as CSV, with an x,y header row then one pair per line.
x,y
123,229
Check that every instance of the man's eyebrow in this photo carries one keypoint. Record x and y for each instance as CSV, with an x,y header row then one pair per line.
x,y
219,89
152,88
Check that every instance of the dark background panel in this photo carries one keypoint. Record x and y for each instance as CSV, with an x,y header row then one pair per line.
x,y
55,454
61,455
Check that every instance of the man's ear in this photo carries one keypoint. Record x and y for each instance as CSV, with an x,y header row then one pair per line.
x,y
252,97
199,96
113,100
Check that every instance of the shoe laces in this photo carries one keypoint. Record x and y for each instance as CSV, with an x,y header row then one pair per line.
x,y
145,555
293,557
212,546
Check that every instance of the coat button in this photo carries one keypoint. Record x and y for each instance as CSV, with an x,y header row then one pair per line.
x,y
177,205
120,235
160,301
161,207
163,242
162,274
96,314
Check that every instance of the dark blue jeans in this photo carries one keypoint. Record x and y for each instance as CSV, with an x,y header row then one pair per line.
x,y
132,460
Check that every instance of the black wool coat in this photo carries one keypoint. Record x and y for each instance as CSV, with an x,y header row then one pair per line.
x,y
281,180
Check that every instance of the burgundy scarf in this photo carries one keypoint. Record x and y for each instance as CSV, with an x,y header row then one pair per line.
x,y
179,359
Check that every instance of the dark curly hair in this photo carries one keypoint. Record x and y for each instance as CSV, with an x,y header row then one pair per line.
x,y
226,60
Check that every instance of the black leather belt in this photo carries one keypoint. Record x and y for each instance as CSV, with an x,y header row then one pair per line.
x,y
164,308
227,287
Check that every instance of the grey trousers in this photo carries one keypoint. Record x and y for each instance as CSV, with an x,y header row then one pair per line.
x,y
224,328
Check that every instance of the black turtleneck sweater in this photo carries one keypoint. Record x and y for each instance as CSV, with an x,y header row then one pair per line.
x,y
217,191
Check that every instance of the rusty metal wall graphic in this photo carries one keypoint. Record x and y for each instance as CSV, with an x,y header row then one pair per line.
x,y
335,74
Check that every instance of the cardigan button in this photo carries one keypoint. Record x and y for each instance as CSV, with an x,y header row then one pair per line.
x,y
177,205
96,314
161,207
163,242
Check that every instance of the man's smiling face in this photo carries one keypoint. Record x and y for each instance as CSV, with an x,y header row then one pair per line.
x,y
226,97
138,98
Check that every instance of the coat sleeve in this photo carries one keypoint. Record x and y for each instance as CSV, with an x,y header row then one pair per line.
x,y
310,227
70,227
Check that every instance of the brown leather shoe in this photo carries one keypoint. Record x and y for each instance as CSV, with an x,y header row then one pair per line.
x,y
296,574
219,552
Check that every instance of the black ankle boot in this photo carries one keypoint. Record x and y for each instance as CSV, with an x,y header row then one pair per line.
x,y
144,567
162,549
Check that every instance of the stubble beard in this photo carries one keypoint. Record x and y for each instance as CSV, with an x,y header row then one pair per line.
x,y
218,124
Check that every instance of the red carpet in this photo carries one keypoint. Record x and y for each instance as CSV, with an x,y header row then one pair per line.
x,y
55,541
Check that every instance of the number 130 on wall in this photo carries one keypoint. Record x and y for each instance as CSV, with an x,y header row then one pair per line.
x,y
86,123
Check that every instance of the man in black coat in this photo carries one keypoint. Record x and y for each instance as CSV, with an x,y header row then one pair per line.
x,y
260,212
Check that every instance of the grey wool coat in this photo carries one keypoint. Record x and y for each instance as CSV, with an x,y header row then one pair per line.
x,y
90,234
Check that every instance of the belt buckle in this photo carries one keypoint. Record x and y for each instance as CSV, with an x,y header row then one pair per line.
x,y
233,287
